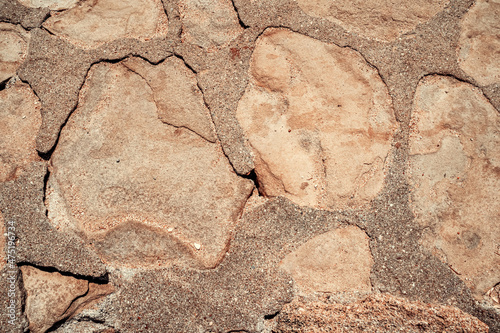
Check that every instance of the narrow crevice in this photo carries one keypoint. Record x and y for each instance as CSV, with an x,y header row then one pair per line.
x,y
271,316
240,21
3,84
180,57
253,177
91,279
44,198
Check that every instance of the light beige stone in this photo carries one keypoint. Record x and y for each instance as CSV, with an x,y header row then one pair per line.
x,y
319,119
379,19
209,23
176,94
479,44
93,22
143,191
49,295
20,120
455,173
52,4
14,42
336,261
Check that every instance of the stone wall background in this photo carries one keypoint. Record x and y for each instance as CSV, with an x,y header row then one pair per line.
x,y
250,166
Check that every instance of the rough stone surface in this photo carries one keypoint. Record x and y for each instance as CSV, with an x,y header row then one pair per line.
x,y
3,238
131,183
479,45
209,23
93,22
337,261
376,313
383,20
14,12
319,119
14,42
455,172
19,122
51,4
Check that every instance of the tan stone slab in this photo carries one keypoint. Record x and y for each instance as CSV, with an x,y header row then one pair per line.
x,y
93,22
49,295
479,44
336,261
14,42
319,119
176,94
52,4
378,19
164,194
455,174
209,23
20,120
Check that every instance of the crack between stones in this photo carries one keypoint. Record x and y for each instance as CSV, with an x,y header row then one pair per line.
x,y
49,269
240,21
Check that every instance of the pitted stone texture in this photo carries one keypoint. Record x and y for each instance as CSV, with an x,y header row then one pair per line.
x,y
94,22
145,192
455,173
14,42
176,94
376,313
319,119
52,4
20,120
479,44
209,23
3,238
52,296
382,20
337,261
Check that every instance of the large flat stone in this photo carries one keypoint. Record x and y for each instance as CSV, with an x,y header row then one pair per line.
x,y
14,42
455,173
145,192
52,4
336,261
93,22
319,119
479,44
20,120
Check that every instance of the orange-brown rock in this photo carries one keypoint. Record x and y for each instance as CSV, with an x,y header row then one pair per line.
x,y
14,42
319,119
93,22
146,193
376,313
209,23
20,120
383,20
455,173
479,44
337,261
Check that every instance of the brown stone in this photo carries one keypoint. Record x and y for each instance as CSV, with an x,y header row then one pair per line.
x,y
52,4
376,313
176,94
145,192
94,22
455,173
20,120
479,44
14,42
209,23
319,119
382,20
336,261
3,238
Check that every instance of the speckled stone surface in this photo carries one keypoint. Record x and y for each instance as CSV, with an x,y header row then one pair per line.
x,y
249,288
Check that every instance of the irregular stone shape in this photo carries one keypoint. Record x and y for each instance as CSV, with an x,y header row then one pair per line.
x,y
52,4
94,22
14,42
376,313
121,174
455,174
176,94
479,43
209,23
49,295
15,13
319,119
382,20
339,260
20,120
